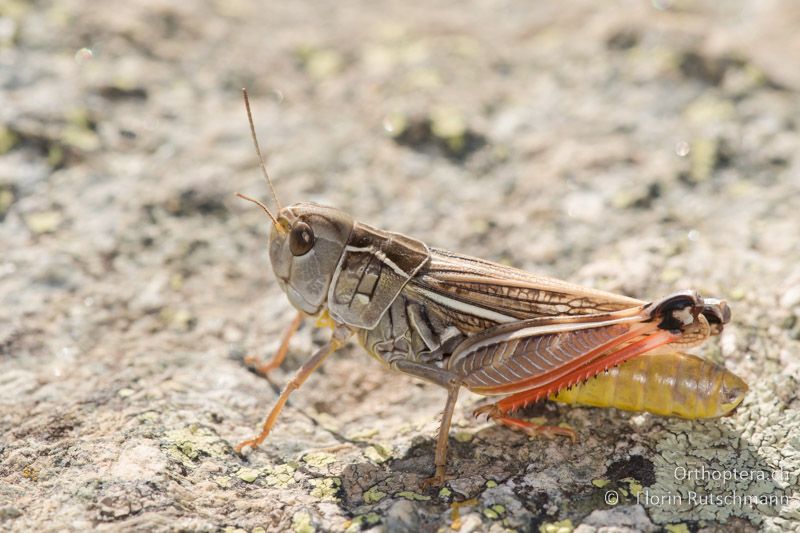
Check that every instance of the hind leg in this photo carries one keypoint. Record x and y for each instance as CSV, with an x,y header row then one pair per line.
x,y
535,430
534,394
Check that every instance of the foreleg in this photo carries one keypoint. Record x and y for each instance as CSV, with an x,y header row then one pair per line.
x,y
263,368
340,335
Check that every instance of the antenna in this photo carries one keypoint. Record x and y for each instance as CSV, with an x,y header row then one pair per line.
x,y
258,149
262,206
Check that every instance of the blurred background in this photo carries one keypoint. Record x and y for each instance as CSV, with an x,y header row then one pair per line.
x,y
636,146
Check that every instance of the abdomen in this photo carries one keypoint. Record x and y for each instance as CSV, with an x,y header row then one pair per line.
x,y
668,384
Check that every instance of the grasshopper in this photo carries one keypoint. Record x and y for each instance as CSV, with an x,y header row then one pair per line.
x,y
459,321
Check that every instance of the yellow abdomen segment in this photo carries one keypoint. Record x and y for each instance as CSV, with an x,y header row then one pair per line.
x,y
668,384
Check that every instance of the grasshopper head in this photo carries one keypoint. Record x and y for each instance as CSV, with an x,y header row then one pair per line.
x,y
305,247
306,241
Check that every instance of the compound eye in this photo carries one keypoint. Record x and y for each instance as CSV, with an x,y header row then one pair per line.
x,y
301,239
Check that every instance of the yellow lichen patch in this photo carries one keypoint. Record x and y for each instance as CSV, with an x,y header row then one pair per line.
x,y
671,274
677,528
55,155
361,521
301,523
8,139
321,64
363,434
248,475
178,319
600,483
373,495
319,459
413,496
633,485
423,78
709,110
280,476
187,444
31,473
704,157
325,488
564,526
78,133
6,198
148,417
176,281
223,481
737,293
463,436
377,453
494,512
81,139
44,221
448,124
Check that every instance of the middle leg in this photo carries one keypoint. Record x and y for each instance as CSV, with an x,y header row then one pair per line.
x,y
440,457
453,384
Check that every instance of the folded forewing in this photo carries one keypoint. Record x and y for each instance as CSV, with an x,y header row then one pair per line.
x,y
481,294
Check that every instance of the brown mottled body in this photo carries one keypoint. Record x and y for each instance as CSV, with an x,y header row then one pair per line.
x,y
459,321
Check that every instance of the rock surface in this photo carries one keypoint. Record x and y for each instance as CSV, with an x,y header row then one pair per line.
x,y
639,147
